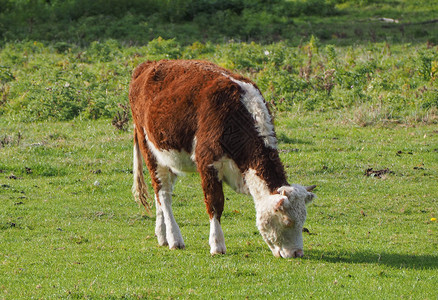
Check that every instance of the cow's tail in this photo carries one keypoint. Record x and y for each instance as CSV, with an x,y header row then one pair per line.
x,y
139,188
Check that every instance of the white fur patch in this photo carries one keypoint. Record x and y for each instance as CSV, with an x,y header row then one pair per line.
x,y
230,173
256,106
217,239
179,162
257,186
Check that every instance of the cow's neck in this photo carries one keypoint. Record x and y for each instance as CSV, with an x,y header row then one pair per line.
x,y
259,190
265,164
264,178
257,186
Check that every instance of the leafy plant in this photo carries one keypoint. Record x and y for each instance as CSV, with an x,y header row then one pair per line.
x,y
425,65
160,48
41,82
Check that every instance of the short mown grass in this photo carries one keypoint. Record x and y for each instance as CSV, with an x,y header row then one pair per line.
x,y
69,227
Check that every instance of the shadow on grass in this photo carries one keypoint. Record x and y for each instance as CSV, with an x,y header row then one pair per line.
x,y
395,260
283,138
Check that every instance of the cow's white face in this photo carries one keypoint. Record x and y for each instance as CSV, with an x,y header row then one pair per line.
x,y
281,220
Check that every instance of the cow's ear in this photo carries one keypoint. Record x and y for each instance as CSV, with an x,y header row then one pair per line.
x,y
309,198
279,205
285,190
310,188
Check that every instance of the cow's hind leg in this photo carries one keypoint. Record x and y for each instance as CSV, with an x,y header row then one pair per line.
x,y
160,225
214,201
165,219
166,229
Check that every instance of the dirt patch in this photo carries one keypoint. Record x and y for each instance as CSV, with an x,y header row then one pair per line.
x,y
305,230
377,173
289,150
399,153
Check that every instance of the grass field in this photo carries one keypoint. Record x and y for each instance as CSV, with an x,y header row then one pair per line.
x,y
355,100
69,226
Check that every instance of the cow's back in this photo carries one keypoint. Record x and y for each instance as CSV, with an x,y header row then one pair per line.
x,y
173,100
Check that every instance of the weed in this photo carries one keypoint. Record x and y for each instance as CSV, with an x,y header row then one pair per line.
x,y
425,66
121,120
9,140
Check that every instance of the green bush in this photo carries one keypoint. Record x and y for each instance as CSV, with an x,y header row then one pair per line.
x,y
103,52
160,48
63,82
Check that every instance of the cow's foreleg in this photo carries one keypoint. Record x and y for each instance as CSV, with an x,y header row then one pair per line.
x,y
214,201
216,240
165,219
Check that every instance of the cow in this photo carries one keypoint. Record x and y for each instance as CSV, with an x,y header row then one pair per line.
x,y
192,115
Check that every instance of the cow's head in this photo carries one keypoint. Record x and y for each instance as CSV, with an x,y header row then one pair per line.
x,y
281,220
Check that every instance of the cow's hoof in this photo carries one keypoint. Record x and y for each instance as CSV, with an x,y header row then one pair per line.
x,y
177,245
162,241
218,250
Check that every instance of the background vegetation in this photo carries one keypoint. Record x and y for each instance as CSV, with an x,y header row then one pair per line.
x,y
352,84
374,82
139,21
64,59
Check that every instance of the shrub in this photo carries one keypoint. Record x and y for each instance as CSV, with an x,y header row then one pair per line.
x,y
425,66
60,82
160,48
103,51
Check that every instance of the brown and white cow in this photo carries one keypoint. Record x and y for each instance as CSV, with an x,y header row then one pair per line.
x,y
195,116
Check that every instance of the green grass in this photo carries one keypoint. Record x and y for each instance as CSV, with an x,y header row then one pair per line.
x,y
63,236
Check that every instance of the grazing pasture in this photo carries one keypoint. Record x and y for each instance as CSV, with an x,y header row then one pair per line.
x,y
70,228
353,89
